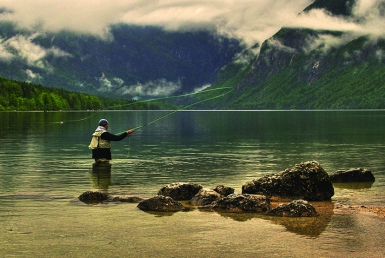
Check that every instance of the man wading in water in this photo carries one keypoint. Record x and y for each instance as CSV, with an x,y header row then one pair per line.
x,y
101,142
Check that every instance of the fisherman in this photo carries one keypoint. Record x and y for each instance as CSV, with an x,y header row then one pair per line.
x,y
101,142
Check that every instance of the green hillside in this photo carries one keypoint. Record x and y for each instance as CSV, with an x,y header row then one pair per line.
x,y
291,72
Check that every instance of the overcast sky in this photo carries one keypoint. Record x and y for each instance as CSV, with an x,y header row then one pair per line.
x,y
251,20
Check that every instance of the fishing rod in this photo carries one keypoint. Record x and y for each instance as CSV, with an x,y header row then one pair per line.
x,y
187,106
179,109
157,99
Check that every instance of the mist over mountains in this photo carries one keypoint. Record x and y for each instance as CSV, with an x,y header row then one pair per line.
x,y
341,67
132,62
323,54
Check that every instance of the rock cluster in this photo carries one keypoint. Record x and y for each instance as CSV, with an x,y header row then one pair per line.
x,y
305,182
210,199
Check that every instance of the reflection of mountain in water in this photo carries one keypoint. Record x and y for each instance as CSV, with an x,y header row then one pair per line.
x,y
311,227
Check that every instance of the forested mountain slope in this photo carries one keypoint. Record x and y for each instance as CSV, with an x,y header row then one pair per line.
x,y
301,68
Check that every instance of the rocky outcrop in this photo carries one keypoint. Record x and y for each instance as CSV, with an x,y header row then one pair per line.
x,y
297,208
160,203
180,191
239,203
307,180
352,175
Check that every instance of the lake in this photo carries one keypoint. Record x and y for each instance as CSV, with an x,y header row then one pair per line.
x,y
45,164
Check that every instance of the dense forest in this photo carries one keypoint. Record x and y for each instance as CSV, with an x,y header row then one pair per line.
x,y
24,96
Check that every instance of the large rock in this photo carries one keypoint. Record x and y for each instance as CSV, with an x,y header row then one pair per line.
x,y
205,197
352,175
297,208
238,203
307,180
160,203
180,191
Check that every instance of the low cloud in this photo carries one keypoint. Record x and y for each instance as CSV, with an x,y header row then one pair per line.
x,y
157,88
249,20
367,19
22,47
245,19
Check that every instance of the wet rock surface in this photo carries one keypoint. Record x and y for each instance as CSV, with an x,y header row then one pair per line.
x,y
180,191
352,175
307,180
160,203
297,208
240,202
205,197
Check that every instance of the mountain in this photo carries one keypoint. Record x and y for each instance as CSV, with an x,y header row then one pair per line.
x,y
296,68
309,69
130,61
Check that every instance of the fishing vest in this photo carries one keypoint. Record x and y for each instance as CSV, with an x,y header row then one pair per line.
x,y
97,141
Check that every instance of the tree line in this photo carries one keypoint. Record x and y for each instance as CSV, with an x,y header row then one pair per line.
x,y
24,96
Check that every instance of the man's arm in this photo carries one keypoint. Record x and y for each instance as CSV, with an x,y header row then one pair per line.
x,y
112,137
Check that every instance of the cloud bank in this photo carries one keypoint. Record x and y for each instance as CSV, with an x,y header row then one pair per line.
x,y
250,20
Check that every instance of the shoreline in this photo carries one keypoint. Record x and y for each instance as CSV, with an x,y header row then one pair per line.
x,y
374,210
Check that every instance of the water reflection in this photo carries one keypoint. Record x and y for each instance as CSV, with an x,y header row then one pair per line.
x,y
354,185
101,176
305,226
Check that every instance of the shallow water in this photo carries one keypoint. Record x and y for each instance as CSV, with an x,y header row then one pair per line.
x,y
45,165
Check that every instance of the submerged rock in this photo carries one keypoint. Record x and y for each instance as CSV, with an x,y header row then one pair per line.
x,y
352,175
92,197
297,208
180,191
123,198
160,203
238,203
307,180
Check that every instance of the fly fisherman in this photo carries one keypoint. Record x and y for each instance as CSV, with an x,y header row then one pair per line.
x,y
101,142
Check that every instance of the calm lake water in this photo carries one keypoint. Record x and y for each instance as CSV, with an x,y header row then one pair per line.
x,y
45,164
